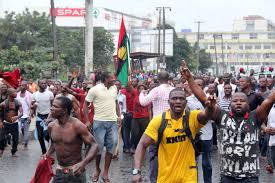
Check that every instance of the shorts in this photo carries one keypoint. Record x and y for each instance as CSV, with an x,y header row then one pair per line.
x,y
62,176
106,134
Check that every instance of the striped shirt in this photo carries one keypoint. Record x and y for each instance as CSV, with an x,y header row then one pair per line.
x,y
158,97
224,103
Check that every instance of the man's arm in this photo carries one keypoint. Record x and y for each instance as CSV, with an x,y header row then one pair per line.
x,y
51,149
144,142
146,99
262,111
1,115
119,120
89,140
86,113
209,112
76,107
198,92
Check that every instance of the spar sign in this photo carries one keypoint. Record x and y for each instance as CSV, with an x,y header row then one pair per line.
x,y
73,12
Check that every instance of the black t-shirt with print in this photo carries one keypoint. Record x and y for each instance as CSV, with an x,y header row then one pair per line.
x,y
239,144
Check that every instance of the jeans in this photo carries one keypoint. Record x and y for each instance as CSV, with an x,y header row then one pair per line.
x,y
206,160
272,154
126,131
10,128
227,179
25,125
41,133
61,177
264,144
153,165
215,139
106,134
138,127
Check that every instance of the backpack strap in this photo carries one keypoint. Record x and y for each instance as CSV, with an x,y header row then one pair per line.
x,y
186,128
160,134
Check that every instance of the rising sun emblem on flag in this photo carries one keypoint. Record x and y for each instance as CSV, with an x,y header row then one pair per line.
x,y
122,53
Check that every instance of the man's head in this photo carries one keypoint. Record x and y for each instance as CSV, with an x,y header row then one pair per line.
x,y
227,90
3,88
42,85
212,89
135,82
263,82
239,104
61,106
118,84
107,79
63,88
141,87
245,83
226,78
177,100
200,83
270,83
163,77
12,93
57,84
30,81
23,86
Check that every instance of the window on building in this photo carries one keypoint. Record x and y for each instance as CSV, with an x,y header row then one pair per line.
x,y
241,47
228,47
201,36
258,47
211,47
267,47
235,36
248,47
240,55
271,35
253,35
247,55
266,55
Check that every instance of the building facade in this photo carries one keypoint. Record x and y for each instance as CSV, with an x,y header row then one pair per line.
x,y
250,45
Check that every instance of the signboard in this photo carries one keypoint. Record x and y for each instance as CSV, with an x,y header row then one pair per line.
x,y
73,12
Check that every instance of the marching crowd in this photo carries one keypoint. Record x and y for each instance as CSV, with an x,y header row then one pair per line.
x,y
173,119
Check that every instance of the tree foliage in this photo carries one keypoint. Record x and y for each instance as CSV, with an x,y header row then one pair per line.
x,y
26,42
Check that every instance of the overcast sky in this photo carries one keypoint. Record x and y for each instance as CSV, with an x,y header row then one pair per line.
x,y
217,15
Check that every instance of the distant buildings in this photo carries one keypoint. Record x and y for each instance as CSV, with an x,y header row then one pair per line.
x,y
250,44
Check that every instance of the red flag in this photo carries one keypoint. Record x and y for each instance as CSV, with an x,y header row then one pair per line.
x,y
12,78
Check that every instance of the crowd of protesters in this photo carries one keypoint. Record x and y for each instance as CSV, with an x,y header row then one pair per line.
x,y
232,114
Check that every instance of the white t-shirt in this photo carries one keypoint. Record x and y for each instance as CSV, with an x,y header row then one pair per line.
x,y
271,123
43,101
104,101
221,90
194,104
26,103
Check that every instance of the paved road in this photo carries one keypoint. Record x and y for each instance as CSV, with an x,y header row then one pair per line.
x,y
21,169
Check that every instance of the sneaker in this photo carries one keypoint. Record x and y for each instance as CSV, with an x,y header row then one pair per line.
x,y
269,169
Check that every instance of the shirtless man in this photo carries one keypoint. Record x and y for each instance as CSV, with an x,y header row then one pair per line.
x,y
11,112
67,136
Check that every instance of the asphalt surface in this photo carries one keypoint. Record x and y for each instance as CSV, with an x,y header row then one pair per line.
x,y
22,168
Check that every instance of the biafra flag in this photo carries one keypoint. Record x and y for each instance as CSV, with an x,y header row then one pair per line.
x,y
122,63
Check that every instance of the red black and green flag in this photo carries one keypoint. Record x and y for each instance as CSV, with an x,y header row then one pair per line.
x,y
123,51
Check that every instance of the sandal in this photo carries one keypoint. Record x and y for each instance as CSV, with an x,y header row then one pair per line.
x,y
96,177
106,180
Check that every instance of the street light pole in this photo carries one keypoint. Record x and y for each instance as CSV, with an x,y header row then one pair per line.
x,y
217,68
55,54
89,37
164,26
198,41
159,9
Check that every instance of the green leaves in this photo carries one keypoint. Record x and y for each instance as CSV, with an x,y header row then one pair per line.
x,y
26,42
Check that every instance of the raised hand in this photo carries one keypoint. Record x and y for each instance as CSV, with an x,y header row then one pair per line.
x,y
185,72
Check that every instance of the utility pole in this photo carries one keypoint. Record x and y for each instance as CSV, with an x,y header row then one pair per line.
x,y
163,11
223,65
159,9
217,68
89,37
198,41
55,54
